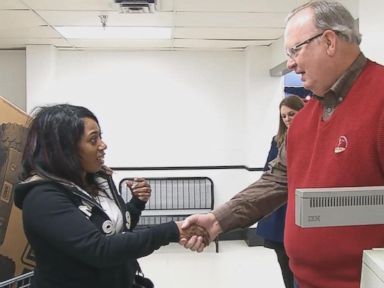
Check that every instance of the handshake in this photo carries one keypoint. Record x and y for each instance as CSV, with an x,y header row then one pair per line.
x,y
197,231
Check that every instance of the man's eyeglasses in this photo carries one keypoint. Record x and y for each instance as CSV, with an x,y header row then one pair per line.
x,y
292,52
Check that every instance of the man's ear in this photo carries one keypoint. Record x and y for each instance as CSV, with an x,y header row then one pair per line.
x,y
331,42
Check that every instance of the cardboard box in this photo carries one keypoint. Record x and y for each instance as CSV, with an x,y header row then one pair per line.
x,y
16,256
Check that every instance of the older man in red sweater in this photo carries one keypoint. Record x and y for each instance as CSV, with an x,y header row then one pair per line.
x,y
322,45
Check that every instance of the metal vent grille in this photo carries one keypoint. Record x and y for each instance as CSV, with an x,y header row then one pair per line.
x,y
341,201
137,6
176,193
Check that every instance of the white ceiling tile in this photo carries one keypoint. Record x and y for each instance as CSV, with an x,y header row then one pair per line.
x,y
70,5
238,6
22,42
229,19
197,43
11,4
142,44
228,33
165,5
91,18
19,18
29,32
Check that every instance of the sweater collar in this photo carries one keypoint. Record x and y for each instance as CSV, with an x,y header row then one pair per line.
x,y
336,94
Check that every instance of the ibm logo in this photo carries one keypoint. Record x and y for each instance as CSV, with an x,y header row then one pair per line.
x,y
314,218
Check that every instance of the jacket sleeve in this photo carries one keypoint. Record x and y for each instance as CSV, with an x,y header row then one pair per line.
x,y
51,218
257,200
135,206
272,154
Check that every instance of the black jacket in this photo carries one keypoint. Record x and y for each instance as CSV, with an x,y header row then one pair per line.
x,y
67,230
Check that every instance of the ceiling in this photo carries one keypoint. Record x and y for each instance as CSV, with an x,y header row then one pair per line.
x,y
196,24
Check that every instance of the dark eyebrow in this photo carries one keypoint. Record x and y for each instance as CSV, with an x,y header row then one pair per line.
x,y
93,133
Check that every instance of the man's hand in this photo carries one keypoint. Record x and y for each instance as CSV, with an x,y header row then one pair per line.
x,y
140,188
194,231
207,221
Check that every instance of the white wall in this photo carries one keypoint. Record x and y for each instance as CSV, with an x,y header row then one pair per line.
x,y
371,23
264,94
156,108
353,6
41,75
278,55
12,77
168,108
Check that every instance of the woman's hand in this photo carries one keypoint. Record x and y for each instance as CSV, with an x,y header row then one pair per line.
x,y
194,237
140,189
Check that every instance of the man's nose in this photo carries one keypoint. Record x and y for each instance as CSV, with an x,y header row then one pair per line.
x,y
291,63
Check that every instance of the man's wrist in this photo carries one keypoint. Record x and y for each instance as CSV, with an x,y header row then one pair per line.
x,y
216,228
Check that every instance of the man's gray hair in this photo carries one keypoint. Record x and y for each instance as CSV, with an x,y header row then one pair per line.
x,y
331,15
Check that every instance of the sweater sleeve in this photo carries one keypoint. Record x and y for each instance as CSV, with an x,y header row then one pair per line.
x,y
51,218
257,200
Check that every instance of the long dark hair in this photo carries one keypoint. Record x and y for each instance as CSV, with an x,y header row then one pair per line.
x,y
293,102
51,148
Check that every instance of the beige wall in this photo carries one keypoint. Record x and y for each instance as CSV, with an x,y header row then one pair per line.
x,y
12,77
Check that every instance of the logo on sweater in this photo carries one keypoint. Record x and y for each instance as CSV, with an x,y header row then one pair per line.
x,y
341,145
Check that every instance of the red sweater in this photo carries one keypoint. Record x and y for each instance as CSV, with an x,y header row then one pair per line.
x,y
331,257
